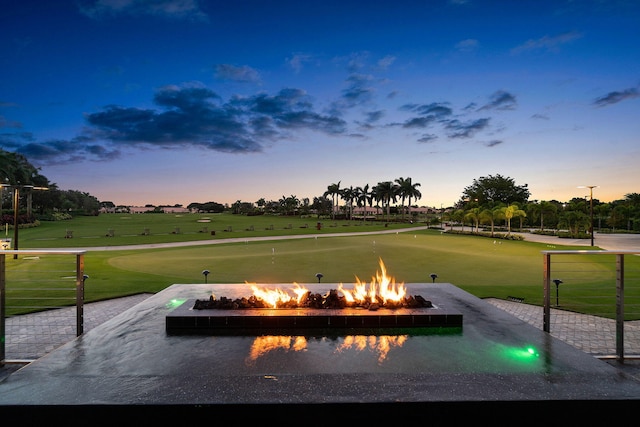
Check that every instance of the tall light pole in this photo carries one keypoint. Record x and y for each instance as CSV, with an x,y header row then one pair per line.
x,y
16,209
590,187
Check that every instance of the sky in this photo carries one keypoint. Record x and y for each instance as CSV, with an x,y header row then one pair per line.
x,y
169,102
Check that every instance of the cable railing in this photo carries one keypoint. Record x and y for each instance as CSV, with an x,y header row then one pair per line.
x,y
41,280
607,286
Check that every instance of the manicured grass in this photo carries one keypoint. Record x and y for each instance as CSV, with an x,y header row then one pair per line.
x,y
164,228
482,266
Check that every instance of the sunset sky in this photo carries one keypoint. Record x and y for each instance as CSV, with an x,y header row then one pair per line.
x,y
170,102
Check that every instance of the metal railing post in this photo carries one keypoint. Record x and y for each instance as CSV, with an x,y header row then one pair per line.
x,y
79,294
546,319
620,307
2,308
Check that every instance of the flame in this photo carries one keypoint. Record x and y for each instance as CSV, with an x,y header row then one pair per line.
x,y
381,288
381,285
275,297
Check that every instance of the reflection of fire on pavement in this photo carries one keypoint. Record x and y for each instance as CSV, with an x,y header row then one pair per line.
x,y
380,345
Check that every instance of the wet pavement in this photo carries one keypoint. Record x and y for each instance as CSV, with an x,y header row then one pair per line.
x,y
495,357
125,358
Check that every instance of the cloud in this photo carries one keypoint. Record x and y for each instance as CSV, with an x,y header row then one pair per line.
x,y
467,45
54,152
500,100
615,97
540,116
189,115
434,109
171,9
548,43
458,129
298,60
427,138
242,74
359,91
418,122
374,116
493,143
386,62
4,123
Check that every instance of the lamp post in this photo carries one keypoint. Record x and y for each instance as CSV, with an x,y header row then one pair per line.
x,y
590,187
16,209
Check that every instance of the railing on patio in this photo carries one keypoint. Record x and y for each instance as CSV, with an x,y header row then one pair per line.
x,y
41,280
588,287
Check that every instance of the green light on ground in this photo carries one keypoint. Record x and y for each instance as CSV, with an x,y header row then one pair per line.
x,y
175,302
522,354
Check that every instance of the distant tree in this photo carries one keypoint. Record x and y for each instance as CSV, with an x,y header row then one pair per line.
x,y
348,195
322,205
363,197
491,216
474,216
209,207
333,190
511,211
407,190
387,191
494,189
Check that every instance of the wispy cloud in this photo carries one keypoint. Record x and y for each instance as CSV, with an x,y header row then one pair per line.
x,y
243,74
458,129
467,45
172,9
548,43
615,97
500,100
298,61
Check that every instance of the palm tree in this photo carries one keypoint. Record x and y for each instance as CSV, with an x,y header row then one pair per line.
x,y
491,216
473,214
333,190
547,208
602,211
510,212
458,216
407,190
363,197
348,195
387,191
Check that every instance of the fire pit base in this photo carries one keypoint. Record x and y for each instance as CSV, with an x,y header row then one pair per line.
x,y
187,320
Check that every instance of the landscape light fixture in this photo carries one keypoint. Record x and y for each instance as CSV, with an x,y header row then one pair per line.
x,y
205,273
590,187
434,276
557,282
319,276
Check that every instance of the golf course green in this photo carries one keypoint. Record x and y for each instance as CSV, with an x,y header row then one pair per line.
x,y
130,254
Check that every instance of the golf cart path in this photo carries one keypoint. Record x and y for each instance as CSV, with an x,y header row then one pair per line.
x,y
620,242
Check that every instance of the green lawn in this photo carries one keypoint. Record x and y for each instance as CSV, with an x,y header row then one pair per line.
x,y
480,265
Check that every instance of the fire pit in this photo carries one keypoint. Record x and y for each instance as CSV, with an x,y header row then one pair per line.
x,y
379,305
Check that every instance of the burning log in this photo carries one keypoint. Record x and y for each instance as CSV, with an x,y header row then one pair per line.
x,y
332,300
382,292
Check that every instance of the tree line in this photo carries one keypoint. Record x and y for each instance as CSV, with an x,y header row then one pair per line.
x,y
43,199
493,201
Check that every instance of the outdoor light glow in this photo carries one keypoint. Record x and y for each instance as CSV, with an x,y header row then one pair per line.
x,y
521,355
175,302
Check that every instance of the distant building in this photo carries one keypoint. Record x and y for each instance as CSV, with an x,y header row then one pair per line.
x,y
165,209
